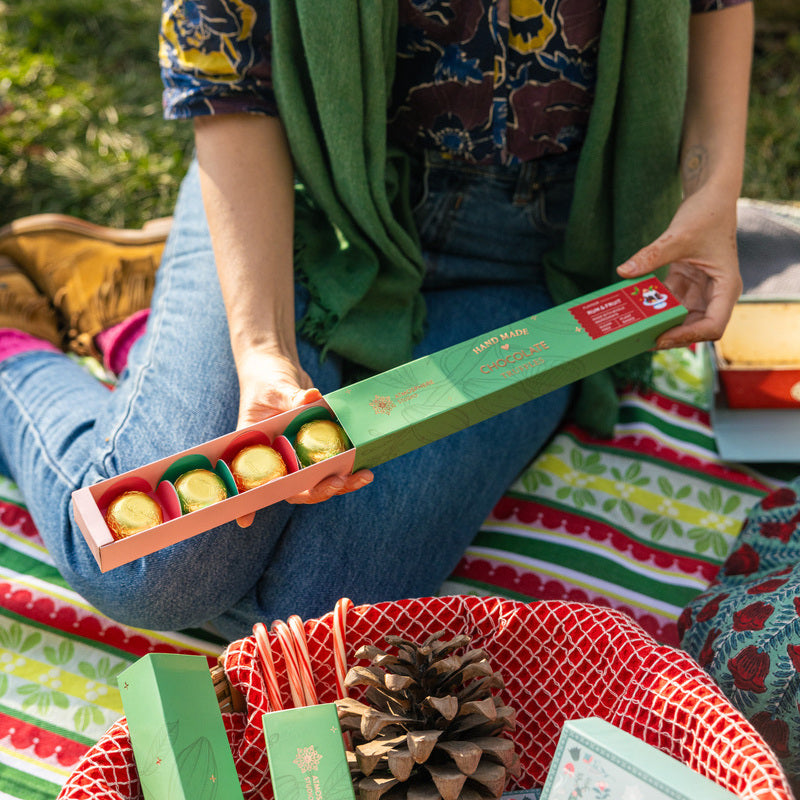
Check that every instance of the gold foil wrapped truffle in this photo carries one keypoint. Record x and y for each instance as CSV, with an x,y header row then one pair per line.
x,y
318,440
255,465
199,488
131,513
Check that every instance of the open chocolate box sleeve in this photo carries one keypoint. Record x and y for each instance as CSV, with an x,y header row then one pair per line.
x,y
393,412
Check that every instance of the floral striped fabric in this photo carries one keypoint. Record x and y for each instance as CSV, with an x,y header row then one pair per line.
x,y
640,523
59,659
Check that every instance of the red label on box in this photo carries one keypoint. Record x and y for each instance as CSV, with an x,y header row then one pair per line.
x,y
623,307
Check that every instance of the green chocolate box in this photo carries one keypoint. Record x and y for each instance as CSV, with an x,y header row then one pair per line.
x,y
176,729
391,413
306,754
404,408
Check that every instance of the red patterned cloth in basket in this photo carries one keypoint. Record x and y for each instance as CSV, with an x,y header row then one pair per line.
x,y
559,660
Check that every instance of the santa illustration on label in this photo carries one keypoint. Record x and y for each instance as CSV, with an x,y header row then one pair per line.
x,y
653,298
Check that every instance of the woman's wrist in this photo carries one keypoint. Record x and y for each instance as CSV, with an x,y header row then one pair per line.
x,y
717,176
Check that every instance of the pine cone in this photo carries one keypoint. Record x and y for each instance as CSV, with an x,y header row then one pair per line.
x,y
429,726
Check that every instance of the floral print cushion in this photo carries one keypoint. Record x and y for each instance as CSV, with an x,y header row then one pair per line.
x,y
745,629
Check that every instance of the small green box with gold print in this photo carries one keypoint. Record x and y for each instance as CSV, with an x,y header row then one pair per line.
x,y
176,729
306,754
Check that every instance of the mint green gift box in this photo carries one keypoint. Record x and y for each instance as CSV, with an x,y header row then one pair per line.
x,y
389,414
596,759
176,729
306,754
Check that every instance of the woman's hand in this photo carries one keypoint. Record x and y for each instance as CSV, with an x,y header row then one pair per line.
x,y
700,243
247,180
703,273
271,383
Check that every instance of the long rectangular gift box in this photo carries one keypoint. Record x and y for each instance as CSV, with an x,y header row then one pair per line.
x,y
395,411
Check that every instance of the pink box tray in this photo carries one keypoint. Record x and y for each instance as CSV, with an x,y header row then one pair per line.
x,y
90,503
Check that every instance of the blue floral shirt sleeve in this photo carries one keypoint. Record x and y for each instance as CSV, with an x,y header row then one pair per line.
x,y
215,57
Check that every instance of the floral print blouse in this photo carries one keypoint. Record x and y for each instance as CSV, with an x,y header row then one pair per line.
x,y
480,80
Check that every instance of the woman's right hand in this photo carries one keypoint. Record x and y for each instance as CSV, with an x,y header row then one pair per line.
x,y
271,383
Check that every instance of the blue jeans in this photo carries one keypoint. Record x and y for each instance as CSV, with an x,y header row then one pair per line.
x,y
484,231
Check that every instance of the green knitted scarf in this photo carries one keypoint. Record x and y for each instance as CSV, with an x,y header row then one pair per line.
x,y
356,249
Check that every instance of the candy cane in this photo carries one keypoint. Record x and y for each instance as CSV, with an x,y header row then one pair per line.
x,y
343,605
294,645
303,659
292,667
265,652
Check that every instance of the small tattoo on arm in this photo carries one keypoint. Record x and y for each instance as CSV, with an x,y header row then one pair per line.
x,y
695,162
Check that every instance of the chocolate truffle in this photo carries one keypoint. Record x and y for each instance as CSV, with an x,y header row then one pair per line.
x,y
318,440
131,513
256,464
199,488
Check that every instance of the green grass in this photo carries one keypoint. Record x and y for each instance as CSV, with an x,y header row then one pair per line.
x,y
772,165
81,130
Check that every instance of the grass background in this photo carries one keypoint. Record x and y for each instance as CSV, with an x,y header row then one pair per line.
x,y
81,130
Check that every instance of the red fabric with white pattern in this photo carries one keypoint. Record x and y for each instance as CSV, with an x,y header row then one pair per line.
x,y
559,660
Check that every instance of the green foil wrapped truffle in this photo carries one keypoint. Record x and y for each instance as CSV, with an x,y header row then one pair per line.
x,y
318,440
199,488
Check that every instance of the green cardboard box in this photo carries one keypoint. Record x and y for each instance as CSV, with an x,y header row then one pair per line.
x,y
306,754
404,408
176,729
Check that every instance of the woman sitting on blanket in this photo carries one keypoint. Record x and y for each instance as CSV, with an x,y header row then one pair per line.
x,y
548,148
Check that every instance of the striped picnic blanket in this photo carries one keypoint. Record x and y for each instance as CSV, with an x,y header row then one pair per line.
x,y
59,659
640,522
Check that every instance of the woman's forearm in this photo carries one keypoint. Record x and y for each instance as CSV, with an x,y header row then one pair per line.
x,y
699,246
247,182
715,126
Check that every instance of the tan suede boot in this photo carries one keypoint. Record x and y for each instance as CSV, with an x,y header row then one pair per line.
x,y
23,307
94,276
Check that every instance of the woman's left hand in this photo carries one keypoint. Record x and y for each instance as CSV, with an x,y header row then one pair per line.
x,y
700,248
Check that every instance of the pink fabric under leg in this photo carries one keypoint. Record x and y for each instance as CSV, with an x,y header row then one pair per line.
x,y
13,342
115,343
